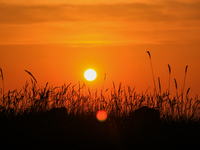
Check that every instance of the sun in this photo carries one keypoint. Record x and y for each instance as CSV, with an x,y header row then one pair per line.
x,y
90,74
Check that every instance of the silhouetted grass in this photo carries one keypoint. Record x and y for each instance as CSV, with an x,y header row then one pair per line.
x,y
120,101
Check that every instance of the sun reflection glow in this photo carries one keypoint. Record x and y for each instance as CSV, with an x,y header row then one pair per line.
x,y
101,115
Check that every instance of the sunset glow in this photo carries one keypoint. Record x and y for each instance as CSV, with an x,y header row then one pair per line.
x,y
99,74
58,40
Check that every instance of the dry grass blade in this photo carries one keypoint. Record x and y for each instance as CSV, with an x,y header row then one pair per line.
x,y
106,90
175,84
159,84
45,88
119,90
188,91
114,86
31,76
147,90
89,91
46,85
68,85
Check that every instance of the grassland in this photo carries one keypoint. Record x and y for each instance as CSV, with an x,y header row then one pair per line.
x,y
24,125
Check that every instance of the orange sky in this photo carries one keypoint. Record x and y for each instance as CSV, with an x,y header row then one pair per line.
x,y
57,41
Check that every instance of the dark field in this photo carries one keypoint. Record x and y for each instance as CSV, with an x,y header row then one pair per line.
x,y
85,132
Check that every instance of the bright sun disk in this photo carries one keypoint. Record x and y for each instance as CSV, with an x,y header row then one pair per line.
x,y
90,74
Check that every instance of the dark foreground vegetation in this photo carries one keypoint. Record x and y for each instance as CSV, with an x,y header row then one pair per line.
x,y
78,131
29,118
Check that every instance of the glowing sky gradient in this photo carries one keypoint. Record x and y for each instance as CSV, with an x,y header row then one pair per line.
x,y
58,40
137,22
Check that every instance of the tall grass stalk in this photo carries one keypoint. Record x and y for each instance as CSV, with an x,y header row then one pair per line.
x,y
184,83
155,90
169,78
159,85
176,86
104,80
1,75
182,92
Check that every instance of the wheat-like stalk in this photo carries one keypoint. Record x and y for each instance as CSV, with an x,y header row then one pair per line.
x,y
155,90
1,75
169,78
176,88
182,104
184,82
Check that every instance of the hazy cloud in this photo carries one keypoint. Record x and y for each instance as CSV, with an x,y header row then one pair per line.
x,y
165,11
100,23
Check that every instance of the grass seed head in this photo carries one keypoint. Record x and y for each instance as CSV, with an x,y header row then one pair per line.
x,y
175,84
186,69
169,69
1,74
149,54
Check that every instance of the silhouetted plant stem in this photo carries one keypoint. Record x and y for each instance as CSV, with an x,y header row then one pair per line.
x,y
155,90
32,77
169,78
184,82
1,75
159,85
183,88
176,88
79,89
104,82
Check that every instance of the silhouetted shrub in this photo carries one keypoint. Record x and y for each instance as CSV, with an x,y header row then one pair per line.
x,y
55,114
145,116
